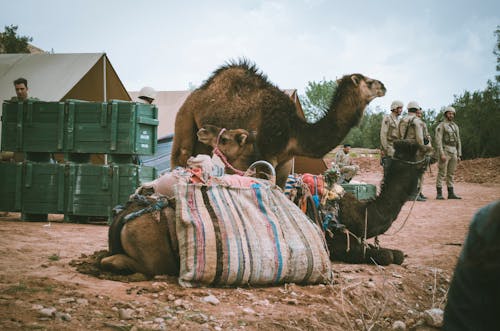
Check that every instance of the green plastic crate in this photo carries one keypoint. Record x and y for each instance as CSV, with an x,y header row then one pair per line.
x,y
117,127
11,175
94,190
44,188
32,126
361,191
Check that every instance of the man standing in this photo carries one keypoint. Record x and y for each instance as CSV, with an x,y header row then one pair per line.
x,y
389,132
412,127
344,161
21,87
449,149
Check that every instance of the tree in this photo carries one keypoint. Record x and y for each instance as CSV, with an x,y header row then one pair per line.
x,y
10,42
496,51
317,99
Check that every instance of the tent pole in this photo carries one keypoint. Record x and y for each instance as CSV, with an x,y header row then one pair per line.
x,y
104,77
104,92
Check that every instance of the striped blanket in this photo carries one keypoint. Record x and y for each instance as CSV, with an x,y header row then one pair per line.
x,y
230,236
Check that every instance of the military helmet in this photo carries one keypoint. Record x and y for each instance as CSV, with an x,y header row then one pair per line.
x,y
396,104
413,105
147,92
449,109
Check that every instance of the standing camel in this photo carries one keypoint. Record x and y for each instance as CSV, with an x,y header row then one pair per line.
x,y
237,95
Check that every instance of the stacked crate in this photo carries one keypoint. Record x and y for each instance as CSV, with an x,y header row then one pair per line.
x,y
77,129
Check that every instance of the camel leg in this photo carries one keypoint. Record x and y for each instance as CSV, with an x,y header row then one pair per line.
x,y
122,264
184,140
380,256
282,172
398,255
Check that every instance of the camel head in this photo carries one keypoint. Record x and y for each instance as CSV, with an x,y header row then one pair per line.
x,y
366,88
237,145
410,151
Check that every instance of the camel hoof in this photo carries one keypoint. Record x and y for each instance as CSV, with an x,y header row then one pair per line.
x,y
398,256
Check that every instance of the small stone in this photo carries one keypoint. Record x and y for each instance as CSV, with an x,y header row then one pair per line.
x,y
47,312
434,317
63,316
399,326
170,297
82,302
36,307
249,311
291,301
370,284
126,314
159,320
198,318
211,299
264,303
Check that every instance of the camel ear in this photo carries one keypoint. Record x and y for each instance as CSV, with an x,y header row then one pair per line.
x,y
241,138
355,80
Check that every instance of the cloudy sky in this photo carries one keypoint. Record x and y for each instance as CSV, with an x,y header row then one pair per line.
x,y
428,50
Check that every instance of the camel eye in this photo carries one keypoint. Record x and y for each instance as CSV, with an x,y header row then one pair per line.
x,y
223,140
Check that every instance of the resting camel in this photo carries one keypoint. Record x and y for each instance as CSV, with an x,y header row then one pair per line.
x,y
237,95
147,244
398,183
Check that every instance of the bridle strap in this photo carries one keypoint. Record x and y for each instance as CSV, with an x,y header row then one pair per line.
x,y
219,153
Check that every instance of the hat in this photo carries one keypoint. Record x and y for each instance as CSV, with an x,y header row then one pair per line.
x,y
396,104
413,105
449,109
347,145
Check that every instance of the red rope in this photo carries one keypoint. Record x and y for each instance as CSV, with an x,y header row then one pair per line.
x,y
219,153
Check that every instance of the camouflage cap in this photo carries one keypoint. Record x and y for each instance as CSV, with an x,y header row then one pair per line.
x,y
413,105
396,104
449,109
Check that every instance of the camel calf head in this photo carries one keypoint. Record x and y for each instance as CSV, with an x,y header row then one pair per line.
x,y
237,145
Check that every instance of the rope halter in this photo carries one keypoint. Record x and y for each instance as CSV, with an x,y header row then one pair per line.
x,y
219,153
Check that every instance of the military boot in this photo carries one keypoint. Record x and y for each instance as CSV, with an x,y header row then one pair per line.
x,y
451,194
439,195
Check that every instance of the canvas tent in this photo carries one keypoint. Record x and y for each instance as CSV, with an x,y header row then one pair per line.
x,y
169,103
56,77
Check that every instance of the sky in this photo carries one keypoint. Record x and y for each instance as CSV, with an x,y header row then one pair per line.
x,y
427,51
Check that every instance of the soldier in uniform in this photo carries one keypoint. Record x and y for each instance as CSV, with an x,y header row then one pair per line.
x,y
412,127
389,132
146,95
449,149
344,162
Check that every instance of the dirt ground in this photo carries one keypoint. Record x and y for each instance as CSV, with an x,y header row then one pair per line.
x,y
40,287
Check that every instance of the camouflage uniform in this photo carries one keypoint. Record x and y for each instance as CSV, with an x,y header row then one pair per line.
x,y
347,168
388,133
16,99
447,144
412,127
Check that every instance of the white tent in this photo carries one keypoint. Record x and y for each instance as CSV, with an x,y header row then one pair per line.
x,y
56,77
